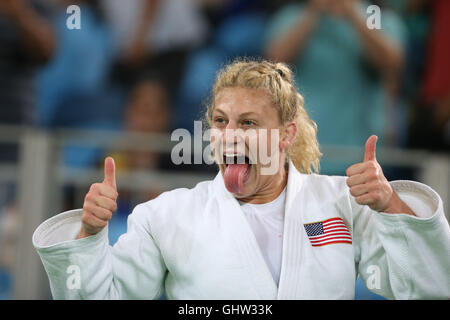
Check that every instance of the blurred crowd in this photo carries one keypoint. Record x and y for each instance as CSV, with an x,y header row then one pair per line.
x,y
148,66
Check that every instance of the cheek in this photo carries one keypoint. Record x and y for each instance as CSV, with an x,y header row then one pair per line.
x,y
269,145
215,143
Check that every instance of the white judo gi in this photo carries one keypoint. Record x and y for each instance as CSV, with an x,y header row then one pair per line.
x,y
196,244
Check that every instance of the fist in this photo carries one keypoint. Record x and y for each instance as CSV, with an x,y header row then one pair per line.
x,y
367,182
100,202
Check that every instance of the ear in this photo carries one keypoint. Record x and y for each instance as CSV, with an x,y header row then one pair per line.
x,y
289,132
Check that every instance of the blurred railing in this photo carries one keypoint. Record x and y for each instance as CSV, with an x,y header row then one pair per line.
x,y
40,175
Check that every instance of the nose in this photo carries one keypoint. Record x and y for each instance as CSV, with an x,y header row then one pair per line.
x,y
231,132
234,139
232,125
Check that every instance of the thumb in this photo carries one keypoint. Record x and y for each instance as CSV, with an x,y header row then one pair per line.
x,y
371,146
110,172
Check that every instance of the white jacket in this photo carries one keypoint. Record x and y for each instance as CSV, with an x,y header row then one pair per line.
x,y
197,244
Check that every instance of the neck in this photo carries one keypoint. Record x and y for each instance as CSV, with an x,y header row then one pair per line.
x,y
271,191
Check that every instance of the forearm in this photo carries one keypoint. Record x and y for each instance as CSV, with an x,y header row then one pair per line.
x,y
38,38
77,269
410,252
89,268
398,206
381,51
286,47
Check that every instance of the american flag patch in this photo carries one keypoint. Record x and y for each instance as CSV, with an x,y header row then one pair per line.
x,y
327,232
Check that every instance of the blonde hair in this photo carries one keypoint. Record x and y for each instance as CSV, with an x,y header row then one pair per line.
x,y
277,80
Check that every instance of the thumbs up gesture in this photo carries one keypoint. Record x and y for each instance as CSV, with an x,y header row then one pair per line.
x,y
369,186
100,202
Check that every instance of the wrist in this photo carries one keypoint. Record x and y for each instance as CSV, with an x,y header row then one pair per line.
x,y
82,234
396,205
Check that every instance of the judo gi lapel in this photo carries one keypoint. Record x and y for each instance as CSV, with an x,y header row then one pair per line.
x,y
293,238
246,244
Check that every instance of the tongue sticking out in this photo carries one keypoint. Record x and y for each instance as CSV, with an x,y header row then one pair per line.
x,y
235,176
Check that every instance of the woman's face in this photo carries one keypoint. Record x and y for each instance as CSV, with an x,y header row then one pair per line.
x,y
245,139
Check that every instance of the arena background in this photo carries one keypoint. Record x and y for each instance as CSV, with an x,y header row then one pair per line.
x,y
136,70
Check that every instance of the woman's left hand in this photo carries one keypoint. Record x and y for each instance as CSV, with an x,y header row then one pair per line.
x,y
370,187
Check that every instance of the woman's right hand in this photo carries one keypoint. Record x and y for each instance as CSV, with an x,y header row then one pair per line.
x,y
99,203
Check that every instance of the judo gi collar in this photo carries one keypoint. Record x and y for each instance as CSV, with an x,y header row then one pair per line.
x,y
246,245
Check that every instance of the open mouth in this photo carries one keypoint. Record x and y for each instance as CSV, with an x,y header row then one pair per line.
x,y
237,172
235,159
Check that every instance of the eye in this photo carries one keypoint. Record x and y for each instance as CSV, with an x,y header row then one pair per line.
x,y
219,120
248,122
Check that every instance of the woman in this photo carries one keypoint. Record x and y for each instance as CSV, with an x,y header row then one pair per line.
x,y
290,234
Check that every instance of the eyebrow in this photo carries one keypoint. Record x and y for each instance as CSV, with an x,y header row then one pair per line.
x,y
245,114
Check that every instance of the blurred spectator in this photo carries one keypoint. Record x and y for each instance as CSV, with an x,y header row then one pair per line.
x,y
407,92
431,122
148,111
217,11
237,29
341,66
9,230
74,89
26,42
155,36
76,80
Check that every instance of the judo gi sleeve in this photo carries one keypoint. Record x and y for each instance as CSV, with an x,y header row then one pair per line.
x,y
400,256
90,268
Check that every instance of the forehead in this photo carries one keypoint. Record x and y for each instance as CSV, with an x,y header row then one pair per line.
x,y
241,100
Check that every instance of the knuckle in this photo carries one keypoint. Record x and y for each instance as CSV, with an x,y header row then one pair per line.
x,y
372,164
85,218
85,207
113,193
348,182
107,203
373,175
352,191
89,197
95,187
